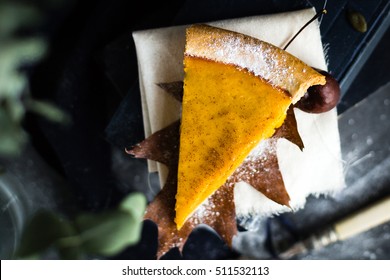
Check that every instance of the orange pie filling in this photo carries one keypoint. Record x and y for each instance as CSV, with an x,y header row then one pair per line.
x,y
228,109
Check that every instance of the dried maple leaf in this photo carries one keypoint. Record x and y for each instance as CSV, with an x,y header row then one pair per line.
x,y
173,88
260,169
161,146
289,130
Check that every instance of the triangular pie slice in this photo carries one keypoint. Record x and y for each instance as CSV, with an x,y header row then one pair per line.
x,y
237,90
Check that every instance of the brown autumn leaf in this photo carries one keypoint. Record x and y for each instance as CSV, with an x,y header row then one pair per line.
x,y
173,88
261,170
161,146
289,130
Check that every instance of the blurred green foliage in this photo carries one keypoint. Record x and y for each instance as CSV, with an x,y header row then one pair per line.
x,y
21,46
88,234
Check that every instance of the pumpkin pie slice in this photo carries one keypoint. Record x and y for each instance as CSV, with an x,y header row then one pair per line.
x,y
237,90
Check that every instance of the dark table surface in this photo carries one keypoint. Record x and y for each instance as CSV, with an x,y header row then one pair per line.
x,y
91,72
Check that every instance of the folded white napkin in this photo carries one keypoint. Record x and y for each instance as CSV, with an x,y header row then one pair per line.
x,y
316,170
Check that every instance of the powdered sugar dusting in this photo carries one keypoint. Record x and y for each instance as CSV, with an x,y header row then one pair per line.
x,y
259,150
204,210
250,167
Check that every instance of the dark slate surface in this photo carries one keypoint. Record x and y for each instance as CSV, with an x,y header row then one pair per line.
x,y
91,72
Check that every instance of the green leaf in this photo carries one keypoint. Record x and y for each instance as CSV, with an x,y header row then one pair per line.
x,y
15,108
12,136
16,15
49,111
43,231
135,204
12,85
16,52
108,233
69,248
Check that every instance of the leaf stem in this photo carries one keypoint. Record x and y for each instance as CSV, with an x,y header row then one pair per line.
x,y
322,12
